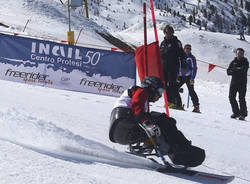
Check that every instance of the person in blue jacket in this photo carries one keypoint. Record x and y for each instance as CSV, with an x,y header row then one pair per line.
x,y
187,75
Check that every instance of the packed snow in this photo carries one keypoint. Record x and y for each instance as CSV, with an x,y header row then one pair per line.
x,y
53,136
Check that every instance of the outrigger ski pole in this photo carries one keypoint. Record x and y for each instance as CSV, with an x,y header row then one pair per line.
x,y
168,167
156,147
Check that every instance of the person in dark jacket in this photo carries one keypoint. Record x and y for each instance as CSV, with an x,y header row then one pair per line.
x,y
187,75
132,123
171,53
238,70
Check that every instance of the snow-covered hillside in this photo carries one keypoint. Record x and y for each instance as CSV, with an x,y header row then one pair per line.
x,y
214,48
49,19
226,16
38,126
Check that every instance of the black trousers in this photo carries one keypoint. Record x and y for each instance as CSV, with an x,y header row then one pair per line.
x,y
171,86
192,93
241,89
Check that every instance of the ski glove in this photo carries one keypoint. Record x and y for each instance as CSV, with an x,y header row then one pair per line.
x,y
151,128
229,72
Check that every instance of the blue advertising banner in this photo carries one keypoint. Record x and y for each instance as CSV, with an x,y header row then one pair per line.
x,y
63,66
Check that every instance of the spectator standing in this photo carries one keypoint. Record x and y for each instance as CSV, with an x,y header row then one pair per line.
x,y
238,70
241,33
187,75
171,53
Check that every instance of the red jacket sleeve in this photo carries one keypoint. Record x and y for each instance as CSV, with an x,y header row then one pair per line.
x,y
139,99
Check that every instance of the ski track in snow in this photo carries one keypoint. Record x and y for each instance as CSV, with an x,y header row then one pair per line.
x,y
41,136
37,126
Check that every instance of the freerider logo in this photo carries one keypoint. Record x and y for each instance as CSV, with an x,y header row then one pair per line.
x,y
28,77
106,87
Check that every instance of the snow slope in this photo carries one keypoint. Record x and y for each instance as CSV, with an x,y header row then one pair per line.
x,y
52,136
36,128
49,19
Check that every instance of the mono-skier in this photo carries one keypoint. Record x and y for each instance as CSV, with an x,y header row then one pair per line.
x,y
238,70
130,118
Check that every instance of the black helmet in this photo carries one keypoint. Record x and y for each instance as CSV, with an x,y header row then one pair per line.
x,y
153,85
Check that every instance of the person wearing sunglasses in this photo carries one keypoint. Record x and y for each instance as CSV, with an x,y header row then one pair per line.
x,y
238,70
171,53
187,76
132,124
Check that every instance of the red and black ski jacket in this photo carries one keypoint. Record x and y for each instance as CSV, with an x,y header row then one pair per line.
x,y
139,103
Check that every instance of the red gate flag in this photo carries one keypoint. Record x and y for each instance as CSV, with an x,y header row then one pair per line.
x,y
153,67
154,61
210,67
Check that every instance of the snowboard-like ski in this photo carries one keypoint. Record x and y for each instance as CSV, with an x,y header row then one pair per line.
x,y
195,174
167,169
189,173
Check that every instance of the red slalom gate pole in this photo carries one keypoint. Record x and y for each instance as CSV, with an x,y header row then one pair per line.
x,y
156,39
145,40
153,18
145,37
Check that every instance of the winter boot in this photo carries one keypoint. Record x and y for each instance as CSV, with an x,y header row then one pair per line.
x,y
234,116
196,109
181,108
242,118
171,105
174,106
